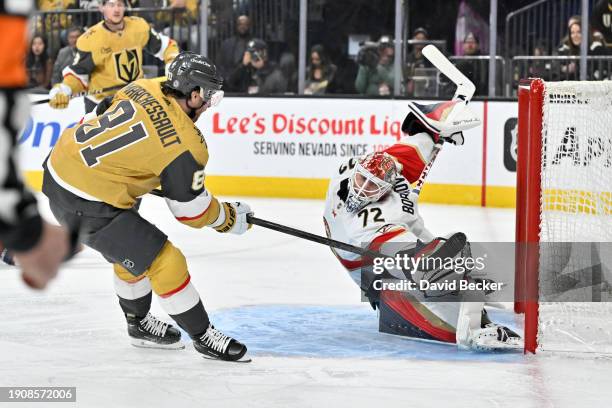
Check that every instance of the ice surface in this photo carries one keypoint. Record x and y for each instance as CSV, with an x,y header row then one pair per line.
x,y
313,343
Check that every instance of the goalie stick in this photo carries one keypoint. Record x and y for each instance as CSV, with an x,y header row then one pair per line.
x,y
469,318
464,92
465,88
416,191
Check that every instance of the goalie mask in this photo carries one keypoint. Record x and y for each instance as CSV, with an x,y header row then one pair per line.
x,y
373,176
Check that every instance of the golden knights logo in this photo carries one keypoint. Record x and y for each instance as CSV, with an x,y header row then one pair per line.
x,y
127,65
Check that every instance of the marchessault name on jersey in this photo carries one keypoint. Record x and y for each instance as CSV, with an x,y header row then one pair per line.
x,y
157,114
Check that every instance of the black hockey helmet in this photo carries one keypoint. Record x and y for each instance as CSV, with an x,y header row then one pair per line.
x,y
189,71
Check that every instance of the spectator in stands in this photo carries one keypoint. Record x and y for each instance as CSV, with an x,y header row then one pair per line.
x,y
288,68
570,46
66,55
346,72
233,48
473,68
376,77
158,20
540,68
601,20
89,4
95,4
320,72
38,63
255,74
55,24
415,60
185,29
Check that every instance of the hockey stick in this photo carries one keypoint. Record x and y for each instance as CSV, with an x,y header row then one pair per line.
x,y
469,318
416,191
465,88
84,93
465,91
314,238
301,234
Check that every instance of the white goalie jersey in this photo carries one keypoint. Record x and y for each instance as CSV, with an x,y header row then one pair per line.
x,y
393,218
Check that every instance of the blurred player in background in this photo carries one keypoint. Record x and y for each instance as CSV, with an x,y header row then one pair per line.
x,y
109,54
97,172
38,246
369,205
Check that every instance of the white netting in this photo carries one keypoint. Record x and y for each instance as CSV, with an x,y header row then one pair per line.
x,y
576,228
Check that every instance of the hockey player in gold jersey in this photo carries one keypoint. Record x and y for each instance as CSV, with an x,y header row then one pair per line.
x,y
110,54
97,172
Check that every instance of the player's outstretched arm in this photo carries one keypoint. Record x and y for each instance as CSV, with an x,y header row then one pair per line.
x,y
182,183
76,79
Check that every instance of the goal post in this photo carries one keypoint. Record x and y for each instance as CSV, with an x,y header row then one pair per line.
x,y
563,252
528,172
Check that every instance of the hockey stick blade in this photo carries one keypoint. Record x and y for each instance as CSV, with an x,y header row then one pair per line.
x,y
465,87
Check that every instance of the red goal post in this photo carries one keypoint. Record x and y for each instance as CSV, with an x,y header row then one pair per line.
x,y
528,193
564,215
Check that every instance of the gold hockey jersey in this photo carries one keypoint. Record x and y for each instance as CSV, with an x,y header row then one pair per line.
x,y
143,140
108,58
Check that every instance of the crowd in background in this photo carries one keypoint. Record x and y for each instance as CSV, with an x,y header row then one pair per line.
x,y
269,66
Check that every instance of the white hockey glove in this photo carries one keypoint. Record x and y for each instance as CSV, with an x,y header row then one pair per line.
x,y
233,218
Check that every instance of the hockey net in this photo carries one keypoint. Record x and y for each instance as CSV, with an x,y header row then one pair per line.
x,y
564,216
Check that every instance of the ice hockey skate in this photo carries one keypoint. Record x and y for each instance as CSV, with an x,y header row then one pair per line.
x,y
494,337
150,332
215,345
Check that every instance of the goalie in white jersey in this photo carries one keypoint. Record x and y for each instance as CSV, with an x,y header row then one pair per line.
x,y
369,205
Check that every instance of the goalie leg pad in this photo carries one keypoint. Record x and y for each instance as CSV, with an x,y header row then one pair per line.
x,y
400,315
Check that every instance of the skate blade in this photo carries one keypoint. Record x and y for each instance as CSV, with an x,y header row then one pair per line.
x,y
151,345
243,359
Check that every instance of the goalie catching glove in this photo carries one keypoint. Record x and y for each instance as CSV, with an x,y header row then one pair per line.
x,y
233,218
